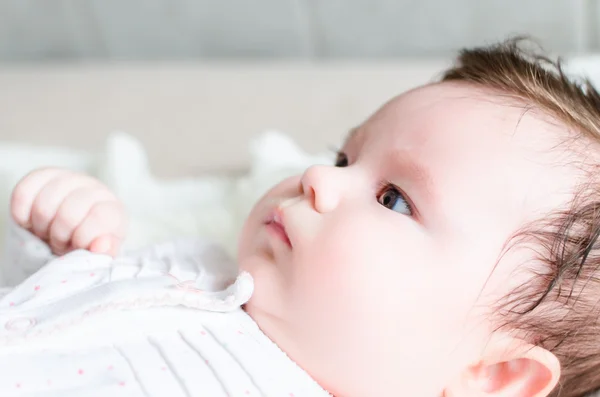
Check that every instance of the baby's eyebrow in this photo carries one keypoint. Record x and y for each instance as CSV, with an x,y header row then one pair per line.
x,y
405,160
416,170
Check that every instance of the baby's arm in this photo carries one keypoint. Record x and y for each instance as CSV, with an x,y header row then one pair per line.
x,y
55,211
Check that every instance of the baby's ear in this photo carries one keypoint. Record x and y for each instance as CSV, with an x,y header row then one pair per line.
x,y
534,372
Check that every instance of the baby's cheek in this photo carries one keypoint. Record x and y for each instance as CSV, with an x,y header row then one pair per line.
x,y
366,248
363,264
333,266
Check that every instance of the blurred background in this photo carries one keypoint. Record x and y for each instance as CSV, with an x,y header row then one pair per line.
x,y
196,80
108,30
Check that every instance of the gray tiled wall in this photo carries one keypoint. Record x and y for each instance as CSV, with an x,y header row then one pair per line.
x,y
187,29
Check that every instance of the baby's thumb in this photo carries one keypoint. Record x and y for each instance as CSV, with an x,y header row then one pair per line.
x,y
107,244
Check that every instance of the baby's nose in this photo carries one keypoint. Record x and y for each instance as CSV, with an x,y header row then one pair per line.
x,y
320,186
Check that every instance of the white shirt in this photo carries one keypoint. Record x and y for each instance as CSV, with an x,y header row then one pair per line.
x,y
160,322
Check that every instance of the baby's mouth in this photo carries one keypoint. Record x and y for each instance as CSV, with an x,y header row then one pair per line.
x,y
275,224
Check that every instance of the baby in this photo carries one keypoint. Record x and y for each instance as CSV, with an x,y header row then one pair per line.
x,y
452,250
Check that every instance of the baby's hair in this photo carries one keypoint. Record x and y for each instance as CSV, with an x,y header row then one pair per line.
x,y
559,307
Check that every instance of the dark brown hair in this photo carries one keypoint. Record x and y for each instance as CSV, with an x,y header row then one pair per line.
x,y
558,308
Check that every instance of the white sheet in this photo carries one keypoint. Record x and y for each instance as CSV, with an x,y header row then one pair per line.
x,y
211,206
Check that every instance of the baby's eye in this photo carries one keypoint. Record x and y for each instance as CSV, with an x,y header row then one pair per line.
x,y
341,160
390,197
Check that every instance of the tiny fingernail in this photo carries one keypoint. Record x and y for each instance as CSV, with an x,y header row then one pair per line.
x,y
102,246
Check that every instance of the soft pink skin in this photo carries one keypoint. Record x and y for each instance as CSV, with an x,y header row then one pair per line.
x,y
70,211
372,302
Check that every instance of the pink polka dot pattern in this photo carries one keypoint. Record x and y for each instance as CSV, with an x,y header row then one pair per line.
x,y
211,338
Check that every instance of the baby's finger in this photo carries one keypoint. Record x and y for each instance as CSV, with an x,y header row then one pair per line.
x,y
26,191
107,244
71,214
105,218
50,197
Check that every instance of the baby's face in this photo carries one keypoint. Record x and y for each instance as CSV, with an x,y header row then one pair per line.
x,y
381,282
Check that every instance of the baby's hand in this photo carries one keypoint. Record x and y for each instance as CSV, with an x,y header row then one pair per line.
x,y
69,211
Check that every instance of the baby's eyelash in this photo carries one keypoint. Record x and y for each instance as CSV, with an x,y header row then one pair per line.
x,y
385,185
341,159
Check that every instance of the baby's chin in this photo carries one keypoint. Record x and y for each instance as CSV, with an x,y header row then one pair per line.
x,y
267,277
258,266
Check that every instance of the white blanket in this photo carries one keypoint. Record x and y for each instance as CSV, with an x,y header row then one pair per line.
x,y
210,206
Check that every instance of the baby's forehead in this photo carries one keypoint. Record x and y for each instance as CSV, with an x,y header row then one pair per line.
x,y
452,108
